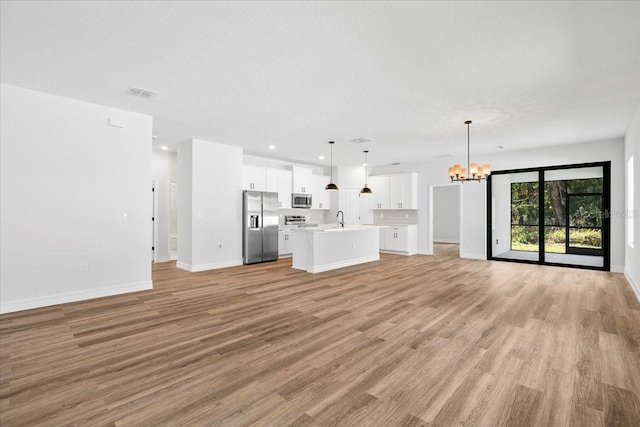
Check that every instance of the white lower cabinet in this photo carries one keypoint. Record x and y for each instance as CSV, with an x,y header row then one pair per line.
x,y
285,242
400,239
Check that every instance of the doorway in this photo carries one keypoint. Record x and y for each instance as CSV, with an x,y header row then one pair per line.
x,y
350,205
445,202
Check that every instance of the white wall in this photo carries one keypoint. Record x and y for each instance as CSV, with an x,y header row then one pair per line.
x,y
75,195
446,214
436,173
632,255
501,213
185,208
473,238
164,171
209,205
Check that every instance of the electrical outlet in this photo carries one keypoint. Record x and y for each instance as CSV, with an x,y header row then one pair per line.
x,y
220,245
496,241
406,215
84,267
353,245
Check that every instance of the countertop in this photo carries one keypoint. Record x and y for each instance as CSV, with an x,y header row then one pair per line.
x,y
336,228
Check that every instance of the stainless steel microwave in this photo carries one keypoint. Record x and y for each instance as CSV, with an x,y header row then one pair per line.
x,y
300,200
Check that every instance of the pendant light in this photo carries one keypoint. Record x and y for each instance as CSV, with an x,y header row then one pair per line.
x,y
365,189
331,186
476,173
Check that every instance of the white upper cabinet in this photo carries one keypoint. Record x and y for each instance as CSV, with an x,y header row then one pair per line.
x,y
320,198
394,191
379,192
302,179
279,181
254,178
259,178
403,192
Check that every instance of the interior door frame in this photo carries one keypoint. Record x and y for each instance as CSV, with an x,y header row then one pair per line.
x,y
606,209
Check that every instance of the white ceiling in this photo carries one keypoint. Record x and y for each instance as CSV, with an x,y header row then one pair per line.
x,y
298,74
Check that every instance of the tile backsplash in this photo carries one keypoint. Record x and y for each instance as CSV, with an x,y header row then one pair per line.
x,y
380,217
395,217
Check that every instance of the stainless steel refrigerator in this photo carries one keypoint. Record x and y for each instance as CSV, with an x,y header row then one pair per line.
x,y
259,226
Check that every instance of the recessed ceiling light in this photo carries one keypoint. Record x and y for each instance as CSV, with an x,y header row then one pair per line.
x,y
364,165
164,147
321,157
272,147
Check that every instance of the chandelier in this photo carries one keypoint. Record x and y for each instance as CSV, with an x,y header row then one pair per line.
x,y
476,173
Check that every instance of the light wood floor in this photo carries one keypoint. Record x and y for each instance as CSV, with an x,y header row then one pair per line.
x,y
405,341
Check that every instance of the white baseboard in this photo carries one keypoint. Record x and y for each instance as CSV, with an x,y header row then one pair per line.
x,y
45,301
457,241
384,251
209,266
424,252
617,269
341,264
634,285
473,256
164,259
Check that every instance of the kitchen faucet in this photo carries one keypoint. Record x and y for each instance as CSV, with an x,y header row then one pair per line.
x,y
340,222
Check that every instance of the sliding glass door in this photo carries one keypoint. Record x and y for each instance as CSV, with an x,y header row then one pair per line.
x,y
557,215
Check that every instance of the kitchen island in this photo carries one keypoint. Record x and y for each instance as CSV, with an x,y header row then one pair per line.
x,y
317,249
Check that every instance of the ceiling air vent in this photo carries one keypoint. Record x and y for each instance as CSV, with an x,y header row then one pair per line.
x,y
443,156
142,93
361,140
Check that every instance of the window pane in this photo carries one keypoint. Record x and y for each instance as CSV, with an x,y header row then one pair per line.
x,y
554,240
585,211
555,202
587,238
592,185
524,238
524,203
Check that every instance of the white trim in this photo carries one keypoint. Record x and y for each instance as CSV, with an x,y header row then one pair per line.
x,y
446,241
424,252
473,256
210,266
45,301
387,251
634,285
342,264
154,221
617,269
164,259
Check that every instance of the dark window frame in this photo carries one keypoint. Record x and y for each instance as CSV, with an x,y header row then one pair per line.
x,y
606,208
